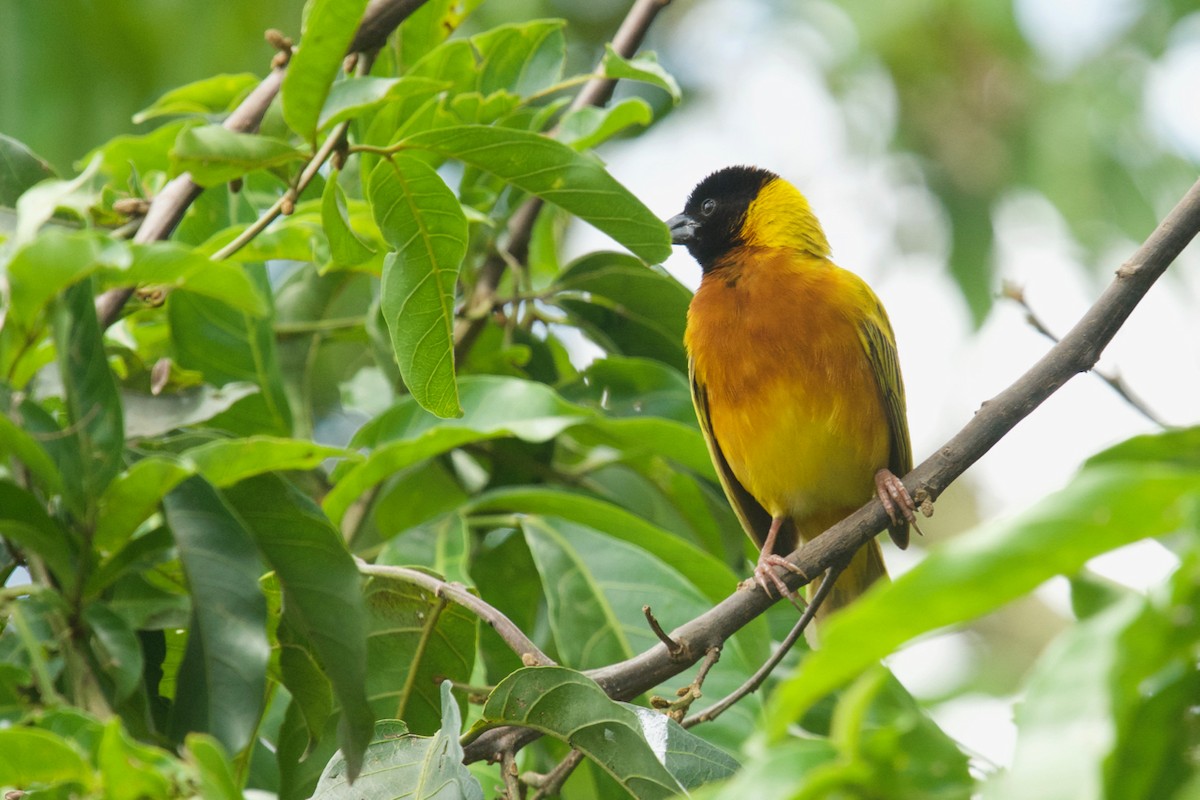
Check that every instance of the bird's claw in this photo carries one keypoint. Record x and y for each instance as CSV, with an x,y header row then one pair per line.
x,y
767,578
895,498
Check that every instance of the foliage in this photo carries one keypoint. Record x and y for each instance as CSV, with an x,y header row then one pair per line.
x,y
183,495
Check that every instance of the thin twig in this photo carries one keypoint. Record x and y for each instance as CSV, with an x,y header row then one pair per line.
x,y
288,199
522,645
1078,351
756,680
687,695
508,773
595,92
548,785
672,645
1115,382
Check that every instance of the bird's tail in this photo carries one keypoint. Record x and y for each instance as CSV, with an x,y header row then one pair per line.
x,y
864,569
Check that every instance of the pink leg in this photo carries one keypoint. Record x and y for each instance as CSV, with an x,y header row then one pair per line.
x,y
764,571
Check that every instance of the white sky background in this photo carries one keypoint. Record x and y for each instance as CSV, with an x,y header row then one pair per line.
x,y
765,103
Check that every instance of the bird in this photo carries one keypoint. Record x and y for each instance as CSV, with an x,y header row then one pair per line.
x,y
794,377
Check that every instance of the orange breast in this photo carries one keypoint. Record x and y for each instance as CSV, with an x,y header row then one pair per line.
x,y
793,401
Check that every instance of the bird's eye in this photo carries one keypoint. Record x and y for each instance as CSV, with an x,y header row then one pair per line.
x,y
709,207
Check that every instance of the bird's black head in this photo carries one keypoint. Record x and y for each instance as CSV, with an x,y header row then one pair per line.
x,y
713,219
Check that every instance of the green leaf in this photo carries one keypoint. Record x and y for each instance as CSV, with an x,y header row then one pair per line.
x,y
492,407
19,444
556,173
346,249
421,218
148,416
93,405
970,260
217,781
116,648
707,573
354,97
322,592
24,522
1105,711
206,96
626,307
775,773
634,388
40,202
228,346
522,58
682,443
416,640
329,27
428,26
127,160
690,760
443,545
31,757
213,155
398,764
133,771
644,67
43,268
171,265
1180,447
592,622
20,168
224,462
572,708
311,691
139,553
297,237
1068,708
596,587
589,127
222,680
133,496
1102,509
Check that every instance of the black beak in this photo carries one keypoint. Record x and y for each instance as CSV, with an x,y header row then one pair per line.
x,y
683,229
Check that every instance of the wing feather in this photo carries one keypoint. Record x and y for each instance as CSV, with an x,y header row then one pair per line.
x,y
880,343
755,519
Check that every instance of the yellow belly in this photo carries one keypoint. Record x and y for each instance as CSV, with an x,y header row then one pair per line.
x,y
793,402
801,449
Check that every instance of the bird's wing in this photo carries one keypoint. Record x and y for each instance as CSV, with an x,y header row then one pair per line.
x,y
880,343
755,519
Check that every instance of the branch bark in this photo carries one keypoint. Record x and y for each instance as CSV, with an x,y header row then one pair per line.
x,y
1077,352
168,206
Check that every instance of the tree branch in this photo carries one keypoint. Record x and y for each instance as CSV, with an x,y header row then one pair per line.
x,y
1077,352
169,205
1114,381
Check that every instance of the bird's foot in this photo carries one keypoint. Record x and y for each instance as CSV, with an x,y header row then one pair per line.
x,y
897,502
767,578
